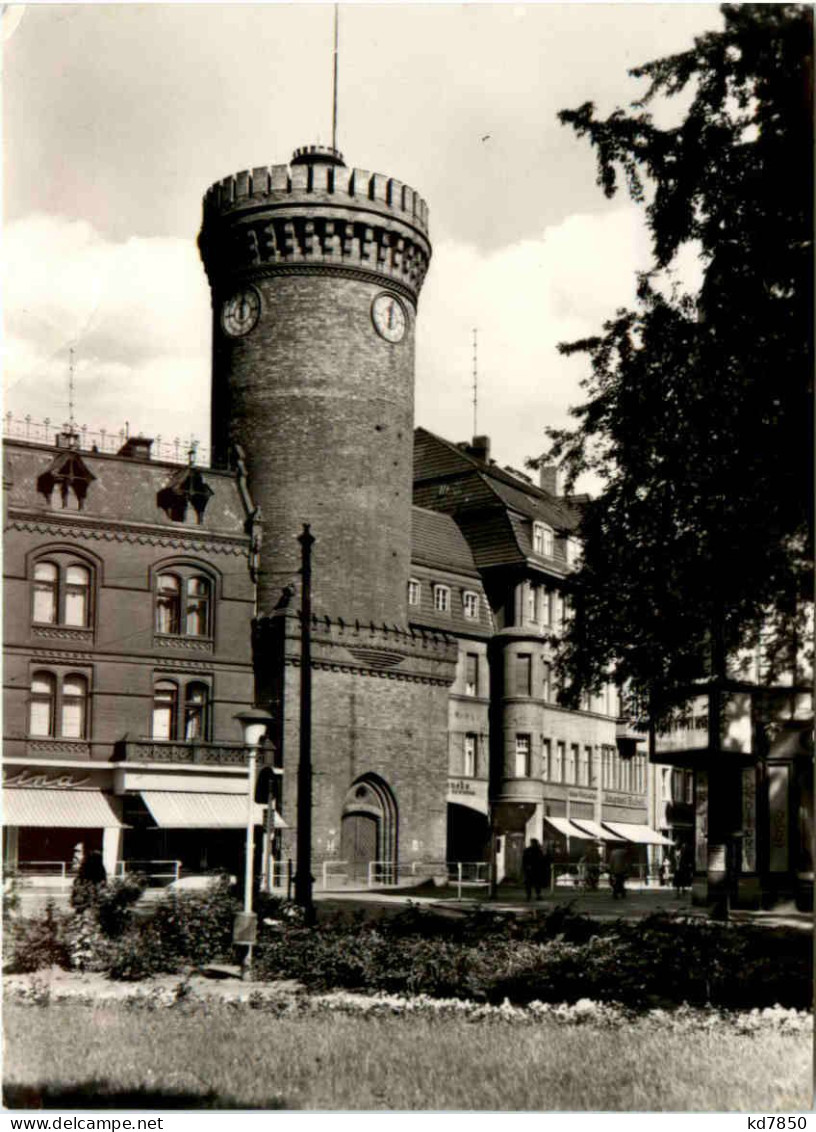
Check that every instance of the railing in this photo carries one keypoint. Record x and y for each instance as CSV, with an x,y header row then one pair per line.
x,y
109,442
383,874
161,751
161,872
42,869
572,875
326,871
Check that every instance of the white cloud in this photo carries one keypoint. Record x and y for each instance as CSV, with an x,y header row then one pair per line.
x,y
524,300
137,314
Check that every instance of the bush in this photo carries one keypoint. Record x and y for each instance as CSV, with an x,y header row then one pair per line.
x,y
556,957
39,942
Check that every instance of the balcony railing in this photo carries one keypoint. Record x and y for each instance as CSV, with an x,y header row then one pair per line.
x,y
163,751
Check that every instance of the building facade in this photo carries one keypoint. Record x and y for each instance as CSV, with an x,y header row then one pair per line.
x,y
149,601
128,607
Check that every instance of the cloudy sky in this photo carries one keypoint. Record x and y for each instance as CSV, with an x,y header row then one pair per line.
x,y
118,117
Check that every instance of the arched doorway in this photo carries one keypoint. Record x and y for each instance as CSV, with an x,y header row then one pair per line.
x,y
368,830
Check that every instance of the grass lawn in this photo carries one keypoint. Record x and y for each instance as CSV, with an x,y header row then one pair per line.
x,y
64,1056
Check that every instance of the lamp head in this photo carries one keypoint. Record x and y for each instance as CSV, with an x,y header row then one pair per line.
x,y
254,722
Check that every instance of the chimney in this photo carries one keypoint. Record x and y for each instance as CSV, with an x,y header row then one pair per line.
x,y
136,448
479,449
549,479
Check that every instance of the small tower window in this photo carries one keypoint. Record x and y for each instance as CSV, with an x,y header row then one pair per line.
x,y
414,592
543,539
470,602
442,599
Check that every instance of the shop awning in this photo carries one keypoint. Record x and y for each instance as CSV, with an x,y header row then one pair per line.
x,y
567,829
172,809
597,831
639,834
61,809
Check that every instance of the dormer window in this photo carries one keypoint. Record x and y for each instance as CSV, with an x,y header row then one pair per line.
x,y
470,604
66,478
187,489
442,599
543,539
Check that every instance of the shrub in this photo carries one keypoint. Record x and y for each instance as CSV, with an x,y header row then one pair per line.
x,y
39,942
139,955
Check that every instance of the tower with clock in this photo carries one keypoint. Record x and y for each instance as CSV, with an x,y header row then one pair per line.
x,y
315,271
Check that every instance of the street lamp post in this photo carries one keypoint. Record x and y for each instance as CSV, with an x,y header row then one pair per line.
x,y
254,723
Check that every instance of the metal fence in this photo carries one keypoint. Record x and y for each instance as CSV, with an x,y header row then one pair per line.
x,y
158,873
171,450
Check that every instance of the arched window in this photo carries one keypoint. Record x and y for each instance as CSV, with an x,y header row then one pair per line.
x,y
42,706
168,604
46,593
183,606
165,709
62,593
196,703
77,590
74,704
198,607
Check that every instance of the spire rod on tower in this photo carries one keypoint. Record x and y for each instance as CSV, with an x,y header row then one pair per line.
x,y
475,381
334,84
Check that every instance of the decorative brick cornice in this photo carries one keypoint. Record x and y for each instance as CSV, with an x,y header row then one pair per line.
x,y
106,530
185,644
61,656
360,670
267,271
62,633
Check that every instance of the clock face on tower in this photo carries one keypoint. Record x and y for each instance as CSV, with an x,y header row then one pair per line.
x,y
388,316
240,312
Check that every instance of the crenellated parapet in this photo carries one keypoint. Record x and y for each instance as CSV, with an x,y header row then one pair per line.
x,y
311,214
386,651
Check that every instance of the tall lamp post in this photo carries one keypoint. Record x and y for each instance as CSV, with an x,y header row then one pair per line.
x,y
254,722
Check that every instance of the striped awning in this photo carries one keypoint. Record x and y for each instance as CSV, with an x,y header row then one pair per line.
x,y
597,831
567,829
639,834
172,809
61,809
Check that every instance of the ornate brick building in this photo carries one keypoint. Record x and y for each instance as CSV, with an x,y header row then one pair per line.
x,y
148,602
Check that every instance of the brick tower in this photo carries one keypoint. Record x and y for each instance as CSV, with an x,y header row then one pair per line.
x,y
315,271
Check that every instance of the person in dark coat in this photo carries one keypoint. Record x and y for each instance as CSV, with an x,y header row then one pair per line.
x,y
533,866
618,871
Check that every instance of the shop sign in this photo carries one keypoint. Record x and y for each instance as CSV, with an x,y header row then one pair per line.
x,y
45,781
582,795
470,792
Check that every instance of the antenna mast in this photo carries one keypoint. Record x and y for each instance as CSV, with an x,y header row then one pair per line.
x,y
334,85
71,423
475,381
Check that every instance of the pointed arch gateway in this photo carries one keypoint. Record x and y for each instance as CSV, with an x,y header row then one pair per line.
x,y
369,829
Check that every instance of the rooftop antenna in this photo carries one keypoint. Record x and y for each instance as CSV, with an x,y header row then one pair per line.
x,y
71,422
475,380
334,84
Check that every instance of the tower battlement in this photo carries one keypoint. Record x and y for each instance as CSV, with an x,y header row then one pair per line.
x,y
315,211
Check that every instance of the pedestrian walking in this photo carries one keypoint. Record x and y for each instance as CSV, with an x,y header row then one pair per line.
x,y
533,866
683,871
618,871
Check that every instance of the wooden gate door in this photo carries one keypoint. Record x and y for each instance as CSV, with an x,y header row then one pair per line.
x,y
358,843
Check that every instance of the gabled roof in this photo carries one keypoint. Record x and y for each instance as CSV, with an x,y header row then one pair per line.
x,y
493,508
437,541
436,458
